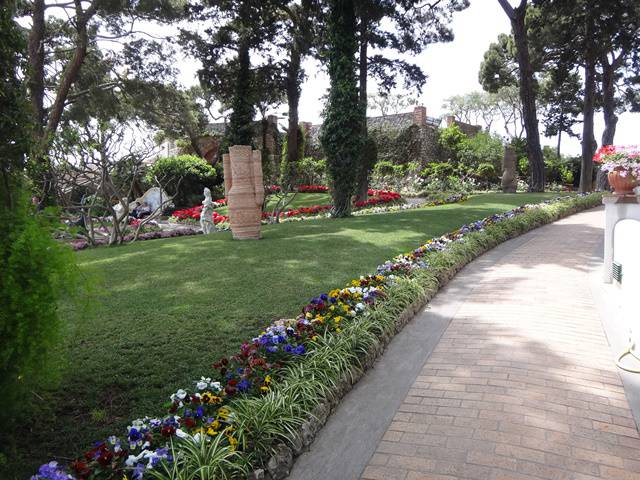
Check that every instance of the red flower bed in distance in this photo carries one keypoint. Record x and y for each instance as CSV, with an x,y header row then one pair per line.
x,y
376,197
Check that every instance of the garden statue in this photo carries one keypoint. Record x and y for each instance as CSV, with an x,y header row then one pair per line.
x,y
206,215
244,191
154,200
509,173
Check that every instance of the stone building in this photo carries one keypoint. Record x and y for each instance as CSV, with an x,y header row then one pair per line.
x,y
401,138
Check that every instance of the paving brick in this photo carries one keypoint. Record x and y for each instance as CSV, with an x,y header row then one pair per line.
x,y
521,385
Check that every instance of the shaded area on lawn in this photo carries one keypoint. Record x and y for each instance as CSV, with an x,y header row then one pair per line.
x,y
166,310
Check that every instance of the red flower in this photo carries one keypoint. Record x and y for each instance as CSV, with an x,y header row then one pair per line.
x,y
81,468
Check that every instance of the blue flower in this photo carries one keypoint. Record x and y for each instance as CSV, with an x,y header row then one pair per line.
x,y
272,349
299,350
288,348
244,385
324,297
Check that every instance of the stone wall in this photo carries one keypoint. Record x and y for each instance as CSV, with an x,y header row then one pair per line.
x,y
401,138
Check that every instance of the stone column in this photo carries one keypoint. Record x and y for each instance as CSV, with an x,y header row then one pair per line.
x,y
509,172
226,168
420,116
246,193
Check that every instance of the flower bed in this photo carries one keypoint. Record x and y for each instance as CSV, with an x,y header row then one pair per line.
x,y
178,232
313,189
254,402
377,197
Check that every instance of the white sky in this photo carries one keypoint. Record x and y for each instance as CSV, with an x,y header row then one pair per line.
x,y
452,69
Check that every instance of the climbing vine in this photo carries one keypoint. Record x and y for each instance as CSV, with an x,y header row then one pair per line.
x,y
341,135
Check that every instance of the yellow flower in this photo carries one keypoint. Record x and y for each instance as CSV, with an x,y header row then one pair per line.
x,y
334,293
345,308
355,283
332,308
267,379
309,315
338,330
264,389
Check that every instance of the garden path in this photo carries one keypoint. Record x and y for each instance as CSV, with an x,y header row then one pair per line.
x,y
506,375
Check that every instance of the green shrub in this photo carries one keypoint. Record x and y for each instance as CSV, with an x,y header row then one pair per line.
x,y
312,171
290,171
36,272
384,168
195,174
486,172
481,148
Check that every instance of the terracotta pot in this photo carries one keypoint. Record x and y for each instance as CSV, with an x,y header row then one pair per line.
x,y
622,185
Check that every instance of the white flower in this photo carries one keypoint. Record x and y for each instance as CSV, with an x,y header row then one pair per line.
x,y
201,385
182,434
216,386
360,307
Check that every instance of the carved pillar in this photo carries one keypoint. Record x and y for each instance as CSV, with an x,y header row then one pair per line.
x,y
246,193
226,168
509,172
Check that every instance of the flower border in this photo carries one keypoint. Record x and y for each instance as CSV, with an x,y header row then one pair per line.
x,y
205,413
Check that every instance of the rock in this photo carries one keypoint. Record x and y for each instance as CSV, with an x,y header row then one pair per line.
x,y
280,463
509,172
257,475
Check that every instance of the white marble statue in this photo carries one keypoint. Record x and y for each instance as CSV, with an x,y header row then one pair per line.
x,y
206,216
154,199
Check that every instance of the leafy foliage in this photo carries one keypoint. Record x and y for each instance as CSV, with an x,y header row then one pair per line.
x,y
193,173
35,270
342,128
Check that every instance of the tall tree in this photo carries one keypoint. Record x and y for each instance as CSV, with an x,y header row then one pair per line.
x,y
236,32
602,39
341,135
60,39
517,17
300,37
385,26
561,103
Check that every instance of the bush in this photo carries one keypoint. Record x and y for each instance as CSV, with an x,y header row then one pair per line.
x,y
486,172
36,272
195,172
312,171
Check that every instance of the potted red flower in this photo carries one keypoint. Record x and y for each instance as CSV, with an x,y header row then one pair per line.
x,y
622,165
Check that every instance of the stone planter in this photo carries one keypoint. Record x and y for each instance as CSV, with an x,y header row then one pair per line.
x,y
245,191
622,185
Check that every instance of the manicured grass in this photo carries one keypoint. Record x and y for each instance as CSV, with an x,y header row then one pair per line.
x,y
300,200
164,310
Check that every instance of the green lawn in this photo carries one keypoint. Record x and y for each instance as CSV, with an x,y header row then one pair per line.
x,y
164,310
300,200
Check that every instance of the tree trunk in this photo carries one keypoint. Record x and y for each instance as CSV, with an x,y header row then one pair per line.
x,y
609,111
362,186
608,103
527,95
293,99
558,145
36,66
242,106
588,138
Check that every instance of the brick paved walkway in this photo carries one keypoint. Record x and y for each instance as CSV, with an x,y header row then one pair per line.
x,y
522,384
